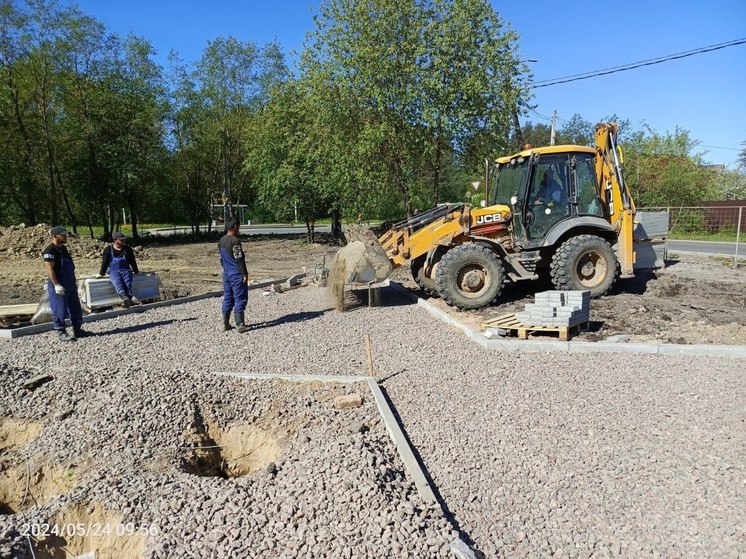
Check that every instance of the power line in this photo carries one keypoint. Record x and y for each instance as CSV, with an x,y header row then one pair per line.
x,y
719,147
539,114
633,65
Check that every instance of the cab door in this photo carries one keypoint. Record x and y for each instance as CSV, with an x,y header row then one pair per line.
x,y
547,201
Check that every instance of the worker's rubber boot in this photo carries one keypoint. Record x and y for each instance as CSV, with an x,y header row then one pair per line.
x,y
78,332
240,325
64,336
227,321
126,303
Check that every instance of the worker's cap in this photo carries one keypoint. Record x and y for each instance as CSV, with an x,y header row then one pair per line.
x,y
117,235
58,230
231,224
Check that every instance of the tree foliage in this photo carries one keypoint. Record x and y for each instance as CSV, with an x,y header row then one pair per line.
x,y
423,85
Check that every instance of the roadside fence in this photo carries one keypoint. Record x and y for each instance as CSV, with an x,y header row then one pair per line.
x,y
722,222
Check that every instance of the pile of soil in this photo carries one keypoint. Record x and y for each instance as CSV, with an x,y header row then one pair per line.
x,y
19,242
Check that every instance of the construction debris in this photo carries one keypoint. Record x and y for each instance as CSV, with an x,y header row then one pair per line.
x,y
348,401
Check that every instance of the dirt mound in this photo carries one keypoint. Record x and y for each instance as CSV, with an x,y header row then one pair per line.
x,y
21,242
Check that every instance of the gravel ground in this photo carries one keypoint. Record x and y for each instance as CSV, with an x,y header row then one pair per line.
x,y
534,455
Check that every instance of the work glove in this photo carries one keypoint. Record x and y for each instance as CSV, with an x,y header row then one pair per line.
x,y
59,290
97,276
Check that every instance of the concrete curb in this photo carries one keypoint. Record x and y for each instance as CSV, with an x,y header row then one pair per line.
x,y
13,333
737,351
458,547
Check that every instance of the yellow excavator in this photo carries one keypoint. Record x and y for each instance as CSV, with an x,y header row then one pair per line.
x,y
563,210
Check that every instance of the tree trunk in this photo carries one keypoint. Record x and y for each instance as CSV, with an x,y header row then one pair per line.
x,y
310,230
336,224
517,127
133,217
68,206
436,173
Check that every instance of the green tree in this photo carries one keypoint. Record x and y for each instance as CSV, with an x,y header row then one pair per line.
x,y
233,80
665,169
577,130
416,80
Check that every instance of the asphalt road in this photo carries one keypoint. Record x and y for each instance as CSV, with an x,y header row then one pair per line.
x,y
709,247
728,249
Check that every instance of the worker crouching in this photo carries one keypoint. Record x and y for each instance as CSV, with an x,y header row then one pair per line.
x,y
119,259
235,277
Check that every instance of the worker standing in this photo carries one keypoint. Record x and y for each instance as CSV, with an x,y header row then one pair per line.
x,y
62,288
119,259
235,277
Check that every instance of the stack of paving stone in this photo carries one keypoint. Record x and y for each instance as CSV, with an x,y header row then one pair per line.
x,y
557,308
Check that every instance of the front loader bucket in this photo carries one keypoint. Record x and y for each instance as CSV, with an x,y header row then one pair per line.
x,y
363,261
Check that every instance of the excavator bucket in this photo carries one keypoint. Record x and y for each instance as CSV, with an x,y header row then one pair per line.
x,y
363,261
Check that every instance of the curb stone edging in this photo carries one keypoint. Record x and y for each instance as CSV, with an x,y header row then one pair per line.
x,y
458,547
13,333
736,351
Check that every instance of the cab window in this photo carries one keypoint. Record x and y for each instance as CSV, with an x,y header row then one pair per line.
x,y
586,188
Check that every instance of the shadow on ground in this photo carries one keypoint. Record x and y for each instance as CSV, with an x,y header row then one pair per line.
x,y
288,318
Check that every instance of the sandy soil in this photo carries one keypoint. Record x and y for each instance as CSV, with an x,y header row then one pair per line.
x,y
694,300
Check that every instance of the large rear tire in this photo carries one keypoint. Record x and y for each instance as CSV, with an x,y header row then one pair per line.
x,y
427,284
585,262
470,276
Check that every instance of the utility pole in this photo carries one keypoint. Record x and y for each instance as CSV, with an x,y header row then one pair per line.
x,y
554,127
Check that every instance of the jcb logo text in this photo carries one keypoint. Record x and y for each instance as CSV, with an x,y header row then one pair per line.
x,y
491,218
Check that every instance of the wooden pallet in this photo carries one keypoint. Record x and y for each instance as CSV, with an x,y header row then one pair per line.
x,y
510,323
12,316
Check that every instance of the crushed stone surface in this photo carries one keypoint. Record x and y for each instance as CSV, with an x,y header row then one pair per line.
x,y
533,455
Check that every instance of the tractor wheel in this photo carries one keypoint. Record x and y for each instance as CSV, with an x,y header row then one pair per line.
x,y
427,284
585,262
469,276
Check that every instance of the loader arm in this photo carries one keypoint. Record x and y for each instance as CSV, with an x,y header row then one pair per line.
x,y
403,244
613,191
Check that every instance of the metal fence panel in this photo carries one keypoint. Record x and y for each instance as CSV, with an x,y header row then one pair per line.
x,y
722,223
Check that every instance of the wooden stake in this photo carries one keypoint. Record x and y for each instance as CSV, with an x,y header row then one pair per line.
x,y
370,354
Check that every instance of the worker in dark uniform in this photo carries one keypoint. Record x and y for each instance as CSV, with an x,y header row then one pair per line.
x,y
62,288
119,260
235,277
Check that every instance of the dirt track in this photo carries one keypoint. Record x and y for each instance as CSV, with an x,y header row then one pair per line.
x,y
694,300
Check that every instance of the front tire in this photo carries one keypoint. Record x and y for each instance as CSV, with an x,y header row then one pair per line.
x,y
470,276
583,263
426,283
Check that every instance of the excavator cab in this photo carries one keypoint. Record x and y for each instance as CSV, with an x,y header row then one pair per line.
x,y
546,189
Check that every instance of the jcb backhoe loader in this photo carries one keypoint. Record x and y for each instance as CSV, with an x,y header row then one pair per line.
x,y
564,210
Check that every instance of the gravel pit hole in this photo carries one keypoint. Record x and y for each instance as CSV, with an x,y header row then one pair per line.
x,y
107,535
25,486
16,432
240,450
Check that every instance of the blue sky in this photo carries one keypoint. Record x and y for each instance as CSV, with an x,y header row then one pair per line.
x,y
704,93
